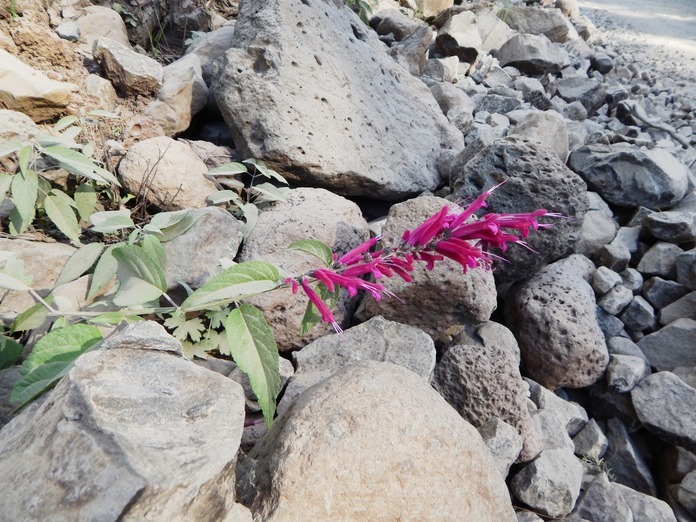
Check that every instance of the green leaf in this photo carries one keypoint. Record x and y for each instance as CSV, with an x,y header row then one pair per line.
x,y
23,158
25,186
9,147
312,317
141,278
183,329
228,169
31,318
110,221
63,216
268,192
104,272
173,224
251,218
65,122
253,348
12,267
10,351
223,196
153,247
51,358
191,350
316,248
237,282
265,171
79,263
79,164
114,318
86,200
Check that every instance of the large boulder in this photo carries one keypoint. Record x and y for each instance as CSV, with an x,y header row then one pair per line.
x,y
436,299
302,216
532,20
533,54
133,432
534,178
630,177
344,116
343,451
130,72
553,317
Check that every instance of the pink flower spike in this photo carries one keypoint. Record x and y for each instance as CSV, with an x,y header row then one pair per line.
x,y
292,282
429,229
355,255
324,311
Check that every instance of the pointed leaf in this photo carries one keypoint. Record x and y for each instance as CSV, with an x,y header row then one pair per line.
x,y
268,192
9,147
251,217
79,164
10,351
65,122
51,358
153,247
265,171
114,318
141,278
110,221
253,348
223,196
31,318
86,200
228,169
63,216
25,186
79,263
173,224
104,273
316,248
237,282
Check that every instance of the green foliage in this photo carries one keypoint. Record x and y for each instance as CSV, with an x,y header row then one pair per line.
x,y
51,358
362,8
10,351
320,250
312,317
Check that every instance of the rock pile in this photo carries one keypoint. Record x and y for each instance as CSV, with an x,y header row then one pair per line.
x,y
569,371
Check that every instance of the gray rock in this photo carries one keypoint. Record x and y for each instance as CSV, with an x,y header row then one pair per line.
x,y
194,256
587,91
598,230
591,442
528,516
686,268
480,378
632,279
624,346
662,292
638,315
602,62
495,103
398,24
532,20
604,279
534,178
664,404
448,96
625,461
68,30
8,378
687,492
616,299
441,69
468,35
533,54
625,371
436,299
552,430
671,346
130,72
607,404
554,318
334,442
573,415
503,441
412,52
550,484
547,127
675,227
680,309
609,324
97,21
129,433
629,177
462,118
209,47
661,260
602,501
645,508
390,128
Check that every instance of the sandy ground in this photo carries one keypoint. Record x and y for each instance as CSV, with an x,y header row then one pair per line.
x,y
660,33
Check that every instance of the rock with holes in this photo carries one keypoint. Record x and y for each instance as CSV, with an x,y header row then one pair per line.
x,y
291,107
436,299
553,316
480,377
375,442
167,173
548,127
534,178
302,215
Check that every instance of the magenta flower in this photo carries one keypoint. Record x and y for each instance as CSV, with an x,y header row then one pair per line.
x,y
449,233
